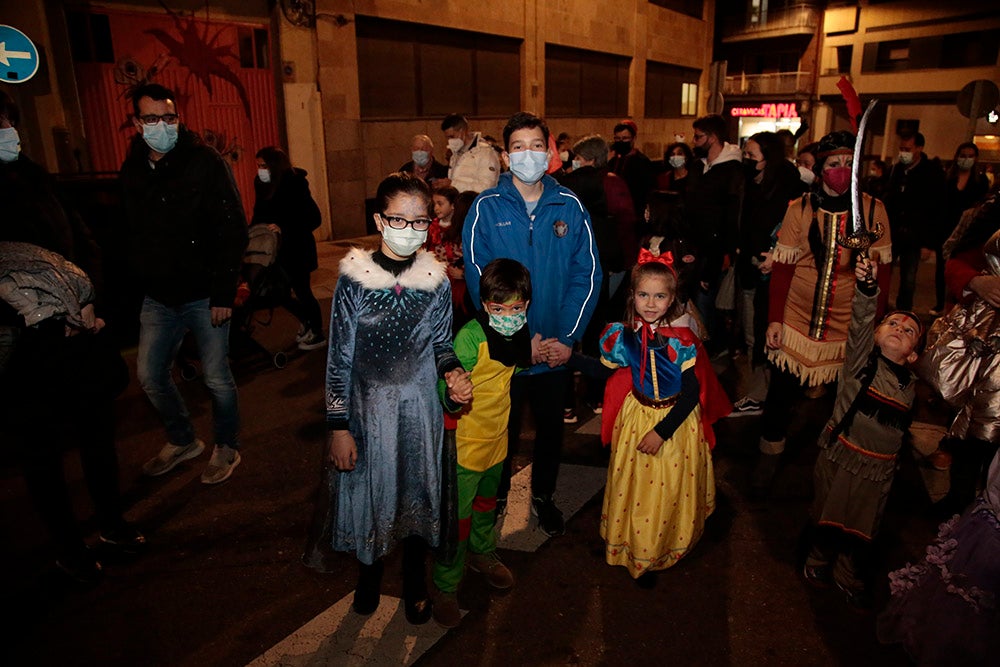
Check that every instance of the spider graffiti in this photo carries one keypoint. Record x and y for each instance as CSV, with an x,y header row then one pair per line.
x,y
200,52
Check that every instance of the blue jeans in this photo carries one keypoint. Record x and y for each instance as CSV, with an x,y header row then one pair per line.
x,y
163,328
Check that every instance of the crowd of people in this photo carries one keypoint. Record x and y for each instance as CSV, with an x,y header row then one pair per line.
x,y
499,274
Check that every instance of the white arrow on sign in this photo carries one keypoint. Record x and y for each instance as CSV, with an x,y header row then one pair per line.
x,y
6,55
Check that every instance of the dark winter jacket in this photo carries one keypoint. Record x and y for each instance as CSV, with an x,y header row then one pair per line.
x,y
607,199
185,223
713,206
764,207
914,200
289,205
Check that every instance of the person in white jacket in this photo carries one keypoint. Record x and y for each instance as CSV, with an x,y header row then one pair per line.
x,y
474,163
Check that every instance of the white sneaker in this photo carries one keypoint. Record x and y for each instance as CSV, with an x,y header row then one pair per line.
x,y
220,466
170,457
312,341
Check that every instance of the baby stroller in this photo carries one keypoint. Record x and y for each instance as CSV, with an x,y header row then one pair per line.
x,y
264,286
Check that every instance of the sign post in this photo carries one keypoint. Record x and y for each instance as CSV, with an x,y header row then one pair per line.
x,y
18,56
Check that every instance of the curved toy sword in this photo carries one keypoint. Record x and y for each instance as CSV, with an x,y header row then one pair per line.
x,y
860,237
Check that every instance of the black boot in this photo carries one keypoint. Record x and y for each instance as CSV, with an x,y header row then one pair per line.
x,y
417,602
369,591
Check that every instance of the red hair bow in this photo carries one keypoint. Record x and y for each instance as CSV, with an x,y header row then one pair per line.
x,y
664,258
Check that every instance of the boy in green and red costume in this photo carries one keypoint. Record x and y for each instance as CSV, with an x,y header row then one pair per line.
x,y
491,347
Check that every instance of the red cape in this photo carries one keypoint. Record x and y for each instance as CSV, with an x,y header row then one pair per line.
x,y
714,401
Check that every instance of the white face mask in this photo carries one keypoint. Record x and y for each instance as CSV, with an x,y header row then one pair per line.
x,y
564,156
403,242
905,157
10,144
420,158
677,161
807,175
264,175
577,164
963,163
455,144
529,166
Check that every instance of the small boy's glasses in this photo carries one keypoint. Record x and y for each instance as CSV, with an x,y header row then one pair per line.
x,y
396,222
153,119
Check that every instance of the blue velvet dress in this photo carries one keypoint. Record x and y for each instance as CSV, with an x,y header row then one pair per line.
x,y
390,341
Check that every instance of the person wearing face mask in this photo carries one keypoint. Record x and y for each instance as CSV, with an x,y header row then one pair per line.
x,y
714,203
60,375
965,187
812,283
474,164
390,343
284,204
609,203
680,169
632,165
423,164
771,182
805,161
529,217
185,234
914,199
490,347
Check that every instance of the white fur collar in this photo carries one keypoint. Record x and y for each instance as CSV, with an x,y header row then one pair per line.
x,y
425,274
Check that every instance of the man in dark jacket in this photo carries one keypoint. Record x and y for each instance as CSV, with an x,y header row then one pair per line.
x,y
913,201
714,203
186,236
632,165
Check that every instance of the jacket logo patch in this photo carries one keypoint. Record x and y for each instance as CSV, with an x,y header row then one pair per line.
x,y
560,228
503,223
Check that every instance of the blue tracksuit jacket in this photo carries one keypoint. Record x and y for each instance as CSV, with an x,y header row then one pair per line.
x,y
556,244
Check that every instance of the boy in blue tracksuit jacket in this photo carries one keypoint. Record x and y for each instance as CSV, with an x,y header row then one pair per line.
x,y
530,218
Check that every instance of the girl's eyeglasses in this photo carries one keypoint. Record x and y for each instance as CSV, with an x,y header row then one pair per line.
x,y
396,222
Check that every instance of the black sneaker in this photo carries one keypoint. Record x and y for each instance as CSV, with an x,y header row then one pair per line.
x,y
550,519
124,539
81,565
569,416
501,507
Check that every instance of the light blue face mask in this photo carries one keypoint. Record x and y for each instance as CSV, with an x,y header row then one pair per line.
x,y
10,144
160,137
420,158
508,325
529,166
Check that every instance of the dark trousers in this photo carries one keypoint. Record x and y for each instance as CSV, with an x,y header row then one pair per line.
x,y
908,253
304,305
543,393
783,390
60,395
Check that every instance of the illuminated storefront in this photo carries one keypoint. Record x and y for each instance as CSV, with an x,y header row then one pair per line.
x,y
752,118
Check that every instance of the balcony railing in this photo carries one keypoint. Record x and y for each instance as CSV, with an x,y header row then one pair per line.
x,y
801,19
778,83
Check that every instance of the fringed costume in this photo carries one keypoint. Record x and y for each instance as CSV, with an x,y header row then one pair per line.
x,y
813,282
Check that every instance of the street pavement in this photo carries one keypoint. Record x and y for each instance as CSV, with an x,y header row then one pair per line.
x,y
222,582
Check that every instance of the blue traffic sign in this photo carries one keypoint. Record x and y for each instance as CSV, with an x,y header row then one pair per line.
x,y
18,56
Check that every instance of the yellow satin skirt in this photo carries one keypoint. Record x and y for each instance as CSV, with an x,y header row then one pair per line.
x,y
655,506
